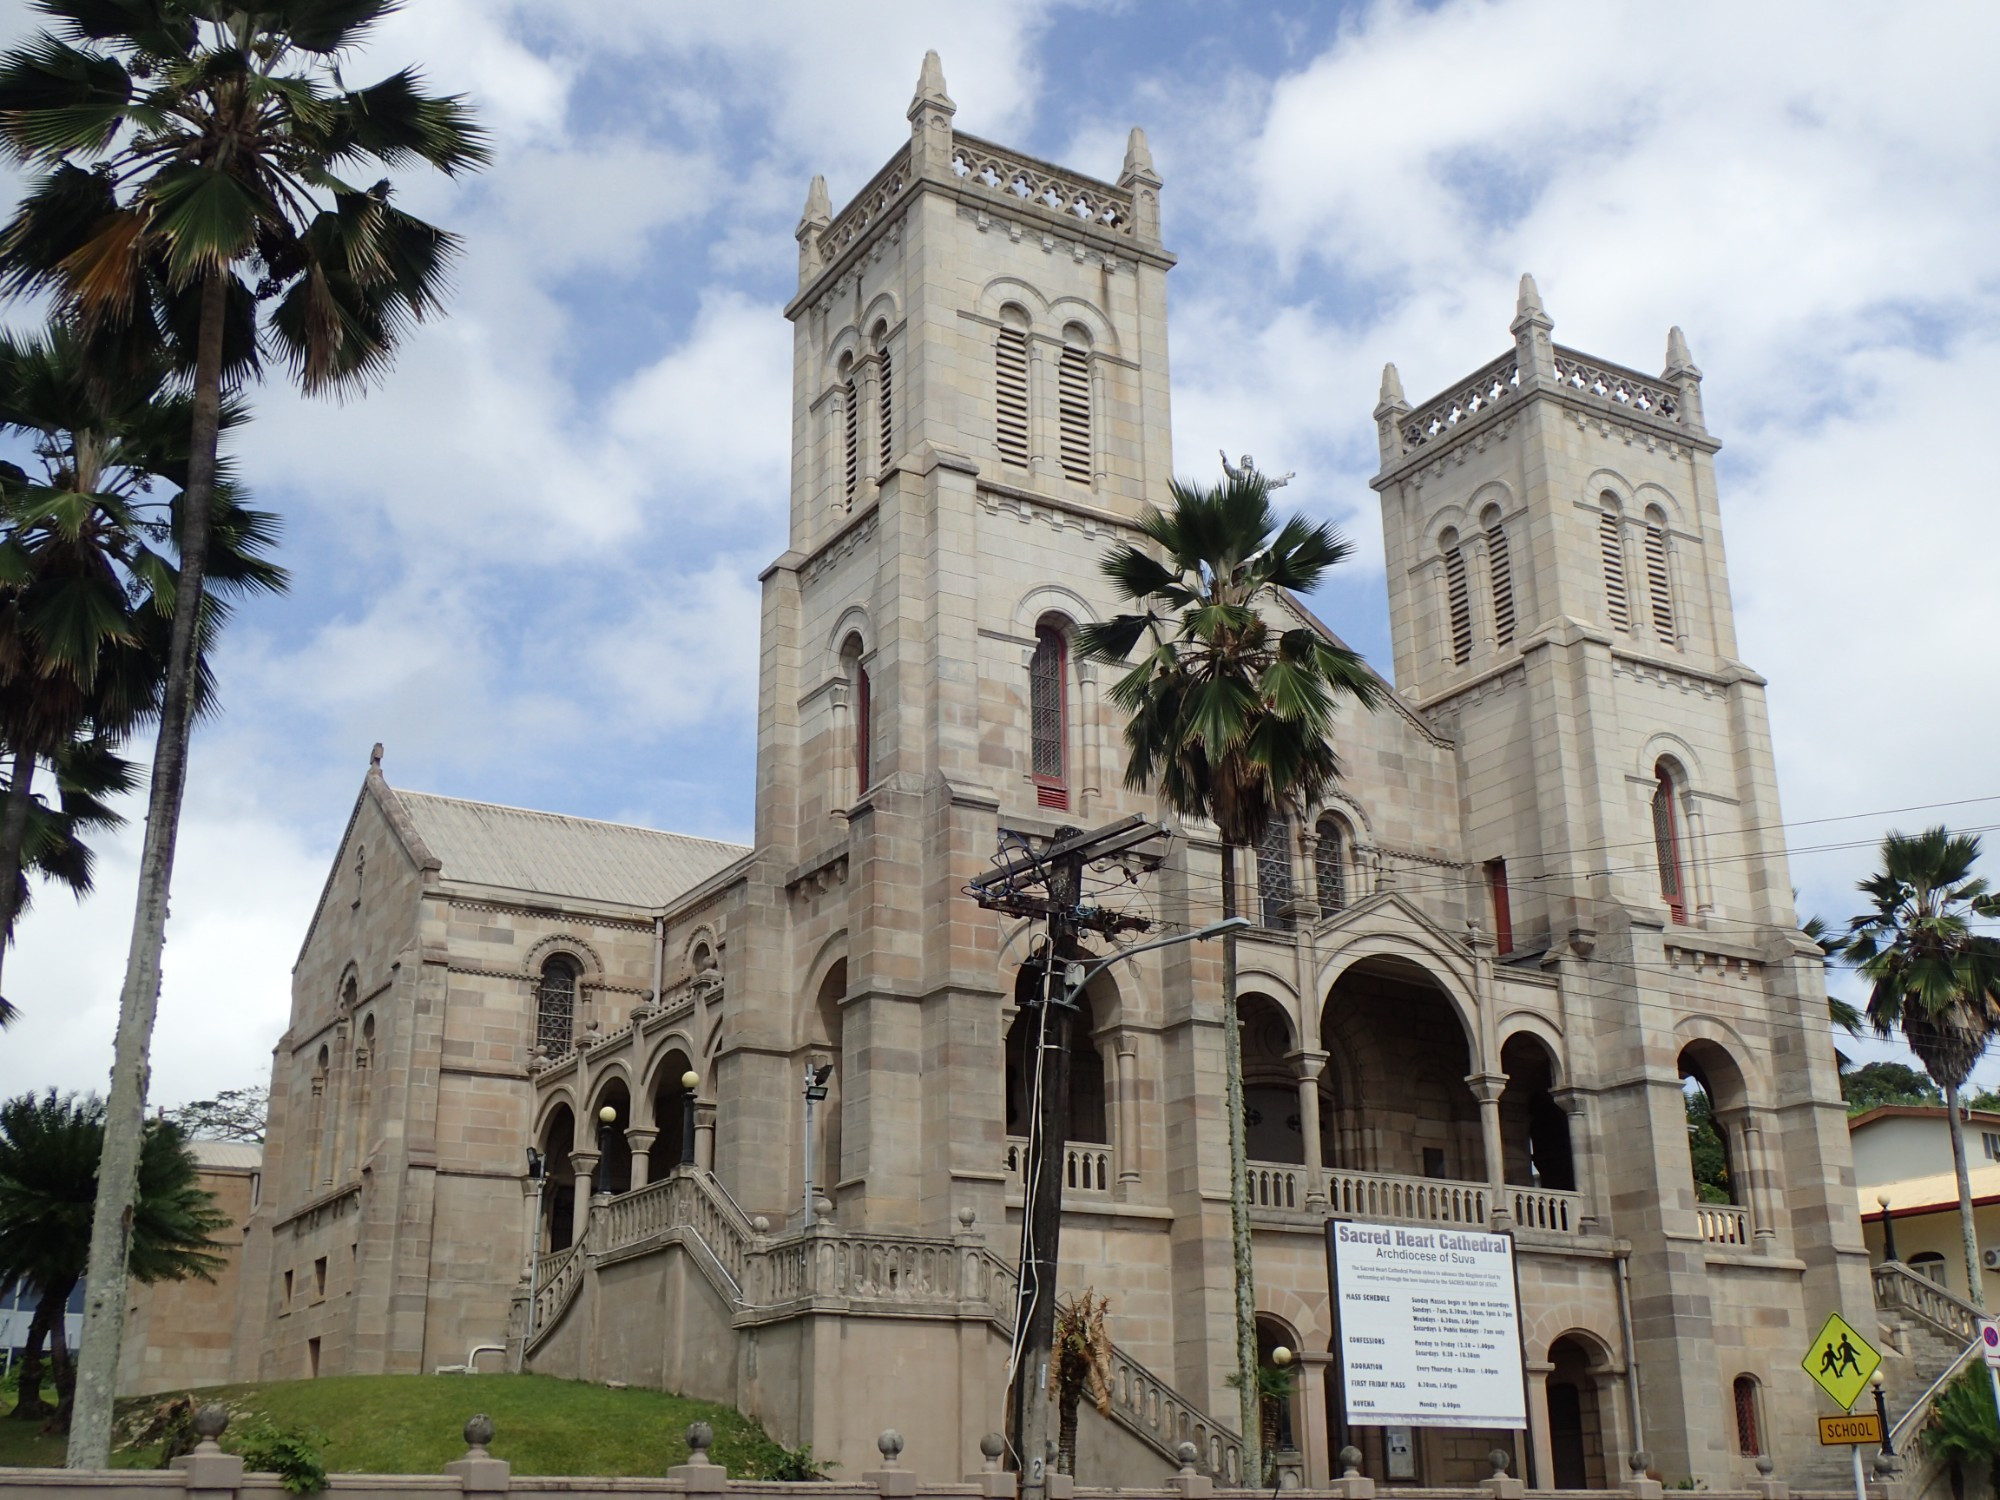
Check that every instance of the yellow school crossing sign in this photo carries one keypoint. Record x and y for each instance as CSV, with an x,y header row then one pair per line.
x,y
1841,1360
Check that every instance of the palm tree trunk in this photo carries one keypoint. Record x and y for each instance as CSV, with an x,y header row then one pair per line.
x,y
1239,1190
30,1405
13,836
1965,1225
1069,1399
125,1110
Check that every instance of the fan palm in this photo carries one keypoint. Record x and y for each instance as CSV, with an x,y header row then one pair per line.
x,y
1932,978
87,583
50,1145
1230,719
1079,1363
193,198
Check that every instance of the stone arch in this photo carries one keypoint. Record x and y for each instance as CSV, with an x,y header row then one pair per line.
x,y
1531,1023
1664,745
563,942
1648,496
678,1041
556,1138
1445,518
1580,1400
1494,495
701,951
825,1026
1280,1418
1044,600
1088,1096
612,1088
1603,483
1726,1060
562,1097
347,989
1712,1074
1100,336
1004,292
884,308
853,622
1390,1017
1274,1125
1447,970
672,1144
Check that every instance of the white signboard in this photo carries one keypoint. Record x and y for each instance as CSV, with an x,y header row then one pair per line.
x,y
1430,1326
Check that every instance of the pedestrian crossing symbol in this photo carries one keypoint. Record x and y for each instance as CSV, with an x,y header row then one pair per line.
x,y
1841,1360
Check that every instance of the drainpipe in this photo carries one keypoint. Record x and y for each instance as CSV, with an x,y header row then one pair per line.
x,y
1631,1350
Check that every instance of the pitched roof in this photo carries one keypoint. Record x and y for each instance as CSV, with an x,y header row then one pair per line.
x,y
481,843
226,1154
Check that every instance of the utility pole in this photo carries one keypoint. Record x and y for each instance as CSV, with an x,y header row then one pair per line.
x,y
1049,884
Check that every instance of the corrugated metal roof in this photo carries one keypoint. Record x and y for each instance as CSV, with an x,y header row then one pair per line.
x,y
238,1154
517,849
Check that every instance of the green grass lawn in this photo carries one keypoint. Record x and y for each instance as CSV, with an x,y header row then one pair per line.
x,y
412,1424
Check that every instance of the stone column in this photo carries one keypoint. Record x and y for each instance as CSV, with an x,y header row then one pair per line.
x,y
584,1165
1313,1437
840,767
704,1135
1089,738
343,1062
1311,1065
1487,1089
1543,1474
531,1212
641,1141
1100,426
1584,1157
1041,410
1127,1046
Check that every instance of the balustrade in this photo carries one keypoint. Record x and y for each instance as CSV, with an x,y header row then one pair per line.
x,y
1900,1288
978,163
1275,1185
1625,388
1087,1169
1439,418
1416,1200
1543,1208
1723,1223
1165,1419
557,1276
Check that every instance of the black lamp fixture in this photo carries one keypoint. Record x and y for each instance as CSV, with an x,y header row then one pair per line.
x,y
690,1081
606,1118
537,1165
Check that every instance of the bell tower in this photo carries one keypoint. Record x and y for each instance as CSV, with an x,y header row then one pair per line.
x,y
979,403
1560,606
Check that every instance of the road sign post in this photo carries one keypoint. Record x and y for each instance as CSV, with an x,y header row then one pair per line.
x,y
1840,1361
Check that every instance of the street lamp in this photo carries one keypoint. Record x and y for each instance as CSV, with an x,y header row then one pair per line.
x,y
537,1169
605,1119
816,1077
1882,1412
1888,1229
690,1081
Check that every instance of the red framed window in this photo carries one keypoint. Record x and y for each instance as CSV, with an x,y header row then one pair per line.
x,y
1048,713
1667,847
1748,1440
1503,911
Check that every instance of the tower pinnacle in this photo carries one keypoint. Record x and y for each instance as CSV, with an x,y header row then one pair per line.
x,y
930,87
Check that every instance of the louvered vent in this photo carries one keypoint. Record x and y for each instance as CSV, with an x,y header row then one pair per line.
x,y
1010,397
852,400
1611,541
1047,716
888,411
1461,606
1657,587
1503,585
1073,381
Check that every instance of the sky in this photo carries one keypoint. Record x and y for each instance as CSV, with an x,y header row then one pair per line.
x,y
526,562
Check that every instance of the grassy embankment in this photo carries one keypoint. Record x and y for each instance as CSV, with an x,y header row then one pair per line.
x,y
411,1424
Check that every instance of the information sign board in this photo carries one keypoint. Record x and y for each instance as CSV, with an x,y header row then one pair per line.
x,y
1429,1326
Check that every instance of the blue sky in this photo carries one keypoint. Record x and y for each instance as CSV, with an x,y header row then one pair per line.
x,y
527,562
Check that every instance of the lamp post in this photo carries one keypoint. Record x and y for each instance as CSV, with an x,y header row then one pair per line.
x,y
605,1118
1882,1414
816,1077
1888,1230
690,1081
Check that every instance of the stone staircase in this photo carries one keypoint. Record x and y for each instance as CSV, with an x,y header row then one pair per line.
x,y
1931,1335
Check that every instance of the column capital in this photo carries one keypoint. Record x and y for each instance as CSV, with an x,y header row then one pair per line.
x,y
1311,1062
1487,1087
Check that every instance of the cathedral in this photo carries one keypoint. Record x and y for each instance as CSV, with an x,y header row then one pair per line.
x,y
542,1102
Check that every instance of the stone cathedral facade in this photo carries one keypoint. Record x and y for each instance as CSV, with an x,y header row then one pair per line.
x,y
1549,895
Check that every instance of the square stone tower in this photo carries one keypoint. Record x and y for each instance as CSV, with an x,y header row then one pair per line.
x,y
1560,606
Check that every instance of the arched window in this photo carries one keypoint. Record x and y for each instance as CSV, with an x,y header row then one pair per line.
x,y
1659,587
555,1005
1749,1441
1458,597
1010,394
1502,568
1611,544
888,403
1330,864
1048,714
864,729
1073,407
1274,872
850,434
1930,1264
1667,843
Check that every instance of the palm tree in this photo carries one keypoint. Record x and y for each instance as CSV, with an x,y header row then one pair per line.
x,y
50,1145
86,589
1932,977
193,198
1230,719
1079,1362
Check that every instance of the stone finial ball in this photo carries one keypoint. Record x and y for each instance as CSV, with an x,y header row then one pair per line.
x,y
1350,1460
1640,1462
1765,1465
1499,1458
992,1445
1187,1452
890,1442
968,1215
700,1437
478,1430
761,1224
1885,1465
211,1421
